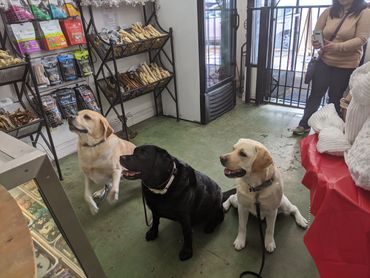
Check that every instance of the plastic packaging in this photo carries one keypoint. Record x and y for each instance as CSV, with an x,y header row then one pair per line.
x,y
52,112
40,74
56,8
83,63
53,35
40,9
73,31
67,67
71,8
67,102
52,70
86,98
18,11
25,37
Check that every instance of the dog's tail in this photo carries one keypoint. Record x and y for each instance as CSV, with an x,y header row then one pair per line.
x,y
228,193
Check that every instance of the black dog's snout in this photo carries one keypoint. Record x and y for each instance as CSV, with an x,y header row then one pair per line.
x,y
223,159
123,159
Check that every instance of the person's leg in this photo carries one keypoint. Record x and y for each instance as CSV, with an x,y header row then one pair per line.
x,y
338,85
320,84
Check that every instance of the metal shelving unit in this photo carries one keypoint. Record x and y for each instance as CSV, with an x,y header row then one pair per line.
x,y
107,79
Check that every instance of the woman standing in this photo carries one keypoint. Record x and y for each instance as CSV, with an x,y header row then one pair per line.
x,y
338,57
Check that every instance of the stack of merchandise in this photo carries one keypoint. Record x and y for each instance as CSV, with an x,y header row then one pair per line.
x,y
13,120
7,60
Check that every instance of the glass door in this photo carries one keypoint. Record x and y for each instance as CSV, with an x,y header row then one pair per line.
x,y
220,24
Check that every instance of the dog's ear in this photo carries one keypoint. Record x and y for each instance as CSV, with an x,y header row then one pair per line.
x,y
263,159
107,129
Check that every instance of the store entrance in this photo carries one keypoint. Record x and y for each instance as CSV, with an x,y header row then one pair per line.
x,y
280,37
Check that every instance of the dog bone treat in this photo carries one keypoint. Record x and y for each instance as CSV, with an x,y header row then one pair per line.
x,y
67,102
7,60
25,37
9,121
52,70
67,66
18,11
52,112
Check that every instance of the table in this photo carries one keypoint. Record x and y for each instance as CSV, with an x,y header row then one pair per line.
x,y
339,237
16,247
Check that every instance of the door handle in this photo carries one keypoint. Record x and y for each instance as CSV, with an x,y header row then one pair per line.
x,y
237,20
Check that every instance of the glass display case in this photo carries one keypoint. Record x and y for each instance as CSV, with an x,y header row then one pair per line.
x,y
61,248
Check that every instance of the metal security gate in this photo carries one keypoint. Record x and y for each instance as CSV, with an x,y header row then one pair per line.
x,y
280,38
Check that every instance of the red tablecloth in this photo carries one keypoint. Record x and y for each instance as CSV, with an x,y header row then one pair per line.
x,y
339,237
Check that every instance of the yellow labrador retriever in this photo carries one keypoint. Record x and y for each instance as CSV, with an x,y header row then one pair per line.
x,y
252,163
99,151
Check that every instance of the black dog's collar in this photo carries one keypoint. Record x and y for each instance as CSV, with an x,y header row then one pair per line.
x,y
164,186
95,145
261,186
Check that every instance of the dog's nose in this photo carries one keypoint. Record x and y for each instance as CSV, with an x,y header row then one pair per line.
x,y
223,159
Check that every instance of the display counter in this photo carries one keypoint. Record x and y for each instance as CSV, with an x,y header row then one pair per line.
x,y
61,248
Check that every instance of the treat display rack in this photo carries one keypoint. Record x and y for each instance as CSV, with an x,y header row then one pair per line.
x,y
22,78
107,79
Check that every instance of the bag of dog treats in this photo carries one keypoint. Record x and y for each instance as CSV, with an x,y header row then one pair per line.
x,y
67,102
53,35
83,63
56,9
52,112
40,9
40,74
86,98
25,37
73,31
18,11
52,70
71,9
67,67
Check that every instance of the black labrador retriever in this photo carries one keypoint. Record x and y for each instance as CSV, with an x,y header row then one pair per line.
x,y
174,190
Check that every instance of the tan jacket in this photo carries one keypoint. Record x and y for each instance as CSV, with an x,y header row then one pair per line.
x,y
353,34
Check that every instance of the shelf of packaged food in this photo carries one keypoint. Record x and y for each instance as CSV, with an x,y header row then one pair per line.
x,y
45,53
109,90
64,84
12,74
25,130
35,20
104,49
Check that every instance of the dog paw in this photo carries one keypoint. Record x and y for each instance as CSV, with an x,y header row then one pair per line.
x,y
185,254
270,245
302,222
112,197
93,208
151,235
226,205
239,243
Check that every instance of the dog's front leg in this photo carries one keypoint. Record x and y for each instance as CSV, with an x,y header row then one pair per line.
x,y
240,240
152,234
113,193
186,251
270,228
89,197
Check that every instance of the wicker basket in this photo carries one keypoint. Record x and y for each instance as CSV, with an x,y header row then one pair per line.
x,y
13,73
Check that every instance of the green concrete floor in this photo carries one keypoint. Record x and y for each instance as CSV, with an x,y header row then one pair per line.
x,y
117,232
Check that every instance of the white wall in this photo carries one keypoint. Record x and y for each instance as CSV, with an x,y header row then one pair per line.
x,y
182,16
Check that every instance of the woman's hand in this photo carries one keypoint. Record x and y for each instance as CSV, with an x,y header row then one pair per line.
x,y
329,46
316,44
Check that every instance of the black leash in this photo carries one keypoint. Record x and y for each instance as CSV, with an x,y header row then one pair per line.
x,y
245,273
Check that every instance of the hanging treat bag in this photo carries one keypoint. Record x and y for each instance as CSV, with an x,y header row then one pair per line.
x,y
52,112
53,35
73,31
67,67
18,11
40,74
25,37
40,9
52,70
70,8
83,63
56,9
67,102
86,98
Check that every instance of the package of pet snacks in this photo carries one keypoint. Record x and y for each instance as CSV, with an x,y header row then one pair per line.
x,y
25,37
86,98
40,9
51,68
18,11
53,35
73,31
40,74
51,109
67,67
71,8
67,102
56,9
83,63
